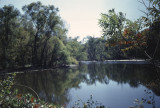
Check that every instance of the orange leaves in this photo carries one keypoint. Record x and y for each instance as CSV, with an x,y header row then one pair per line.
x,y
19,96
122,42
141,39
37,106
130,42
28,100
125,42
139,35
32,99
125,32
130,39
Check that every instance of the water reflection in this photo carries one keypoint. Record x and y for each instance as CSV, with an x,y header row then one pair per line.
x,y
133,74
51,85
54,85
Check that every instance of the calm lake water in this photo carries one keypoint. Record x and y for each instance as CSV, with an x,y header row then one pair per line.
x,y
112,85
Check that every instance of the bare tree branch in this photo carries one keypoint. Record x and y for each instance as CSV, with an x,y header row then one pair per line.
x,y
143,12
142,2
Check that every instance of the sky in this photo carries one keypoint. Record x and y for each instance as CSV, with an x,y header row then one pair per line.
x,y
81,16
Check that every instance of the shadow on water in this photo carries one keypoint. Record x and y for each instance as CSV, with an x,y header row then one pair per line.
x,y
55,85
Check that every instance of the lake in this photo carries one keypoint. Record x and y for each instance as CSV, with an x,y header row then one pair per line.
x,y
114,85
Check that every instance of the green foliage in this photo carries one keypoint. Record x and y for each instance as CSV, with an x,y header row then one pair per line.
x,y
32,38
59,54
152,12
96,49
38,37
11,99
8,27
46,24
77,50
112,24
73,60
132,39
5,86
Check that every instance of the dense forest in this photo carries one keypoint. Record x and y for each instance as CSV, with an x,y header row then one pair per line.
x,y
38,37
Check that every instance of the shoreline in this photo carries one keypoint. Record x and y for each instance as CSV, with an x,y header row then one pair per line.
x,y
126,61
28,69
32,69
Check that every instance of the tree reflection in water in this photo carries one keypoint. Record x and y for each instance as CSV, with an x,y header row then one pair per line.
x,y
54,85
51,85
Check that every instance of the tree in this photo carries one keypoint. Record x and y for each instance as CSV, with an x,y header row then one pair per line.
x,y
125,38
134,44
35,38
96,49
22,47
152,21
37,14
112,25
76,49
8,24
46,23
59,54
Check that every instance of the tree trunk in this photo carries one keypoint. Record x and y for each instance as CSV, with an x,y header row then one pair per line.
x,y
34,57
42,53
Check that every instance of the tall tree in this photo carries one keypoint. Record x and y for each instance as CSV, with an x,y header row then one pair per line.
x,y
46,24
152,21
112,25
8,23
